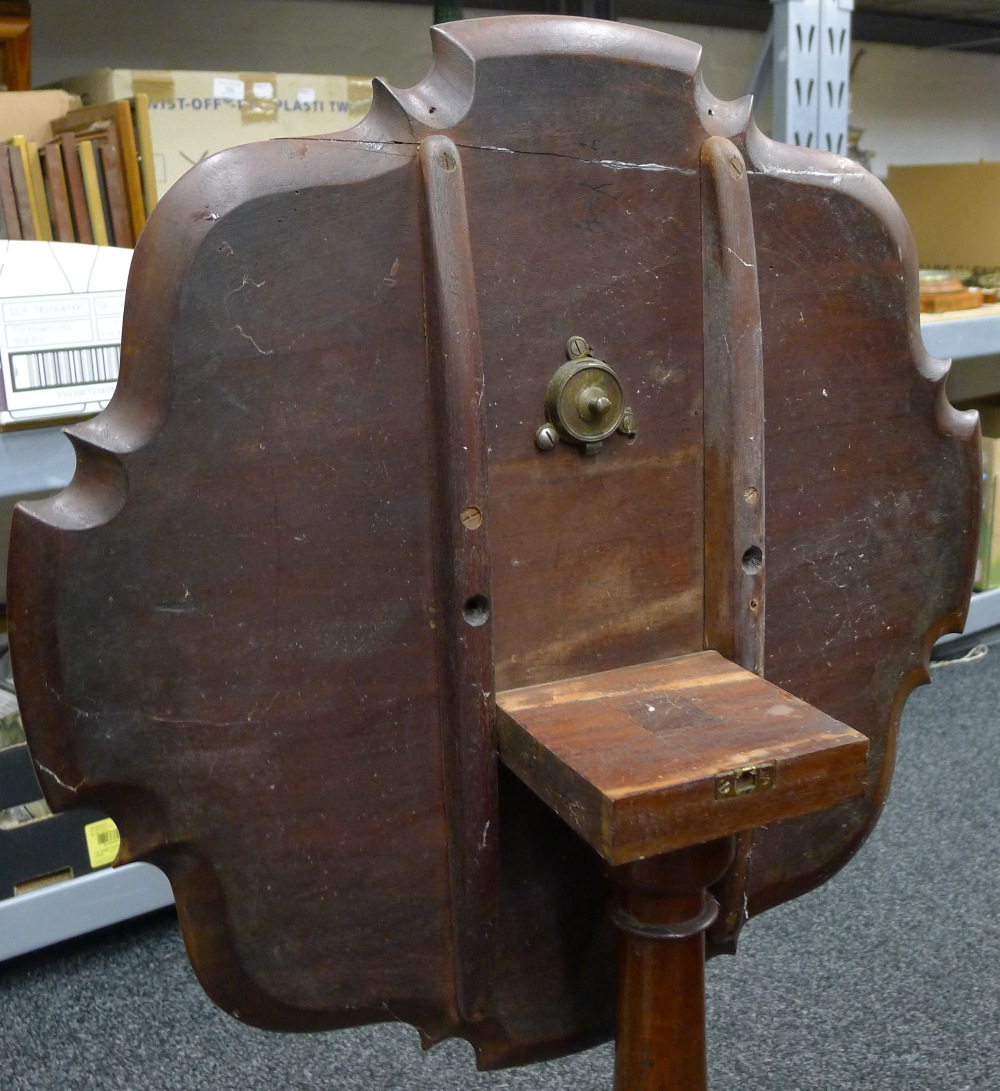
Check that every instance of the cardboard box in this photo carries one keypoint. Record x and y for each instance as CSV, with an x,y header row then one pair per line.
x,y
29,113
951,209
193,114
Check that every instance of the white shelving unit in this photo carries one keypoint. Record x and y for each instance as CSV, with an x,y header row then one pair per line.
x,y
55,913
958,336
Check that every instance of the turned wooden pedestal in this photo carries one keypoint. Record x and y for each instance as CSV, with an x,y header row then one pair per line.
x,y
657,767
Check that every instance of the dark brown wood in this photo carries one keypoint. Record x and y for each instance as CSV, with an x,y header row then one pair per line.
x,y
55,182
223,628
22,193
735,495
629,758
456,376
663,908
8,200
647,765
74,184
734,412
121,226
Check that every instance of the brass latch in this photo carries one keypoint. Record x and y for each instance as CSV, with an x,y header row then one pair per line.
x,y
584,402
741,782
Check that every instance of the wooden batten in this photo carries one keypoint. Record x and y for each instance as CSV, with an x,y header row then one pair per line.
x,y
734,412
464,620
734,448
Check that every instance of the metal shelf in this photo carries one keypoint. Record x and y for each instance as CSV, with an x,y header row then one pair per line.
x,y
34,460
64,910
974,333
984,613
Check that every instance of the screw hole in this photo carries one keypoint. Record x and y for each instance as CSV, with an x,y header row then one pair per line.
x,y
746,781
476,610
753,561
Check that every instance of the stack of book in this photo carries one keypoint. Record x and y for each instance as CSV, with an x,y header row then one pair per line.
x,y
93,183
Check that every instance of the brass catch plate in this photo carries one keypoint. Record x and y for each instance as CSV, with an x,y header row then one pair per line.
x,y
584,402
741,782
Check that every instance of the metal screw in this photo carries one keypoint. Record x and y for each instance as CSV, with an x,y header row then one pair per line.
x,y
577,348
737,166
472,518
546,437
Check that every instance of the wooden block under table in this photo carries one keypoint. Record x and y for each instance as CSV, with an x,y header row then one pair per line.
x,y
648,759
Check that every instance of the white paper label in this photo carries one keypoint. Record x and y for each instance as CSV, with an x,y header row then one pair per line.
x,y
226,88
263,89
305,94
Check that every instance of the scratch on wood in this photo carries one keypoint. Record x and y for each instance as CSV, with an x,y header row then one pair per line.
x,y
54,776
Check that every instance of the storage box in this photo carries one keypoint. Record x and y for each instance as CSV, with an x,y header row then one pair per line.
x,y
193,114
29,113
952,211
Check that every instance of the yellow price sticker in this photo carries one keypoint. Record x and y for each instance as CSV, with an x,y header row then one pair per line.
x,y
103,841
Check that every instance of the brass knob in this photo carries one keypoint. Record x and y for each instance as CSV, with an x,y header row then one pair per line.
x,y
593,403
585,401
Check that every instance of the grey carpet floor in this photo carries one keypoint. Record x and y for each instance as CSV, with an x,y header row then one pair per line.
x,y
886,979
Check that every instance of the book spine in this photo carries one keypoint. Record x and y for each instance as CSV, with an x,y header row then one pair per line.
x,y
37,182
128,159
144,140
92,188
74,183
22,193
121,224
8,200
55,177
21,171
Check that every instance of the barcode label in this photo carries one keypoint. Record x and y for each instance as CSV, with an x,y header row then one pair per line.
x,y
103,842
65,367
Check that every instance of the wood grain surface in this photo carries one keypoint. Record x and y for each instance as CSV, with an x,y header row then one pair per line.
x,y
629,758
237,632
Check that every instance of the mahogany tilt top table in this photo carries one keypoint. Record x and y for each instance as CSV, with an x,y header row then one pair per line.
x,y
518,525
